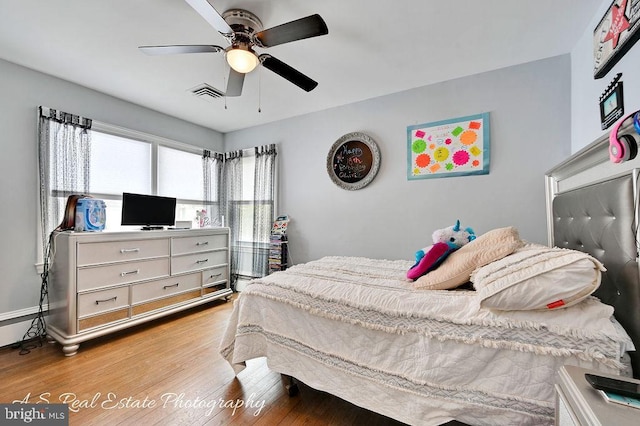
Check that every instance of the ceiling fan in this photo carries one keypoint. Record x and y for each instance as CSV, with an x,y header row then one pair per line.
x,y
243,30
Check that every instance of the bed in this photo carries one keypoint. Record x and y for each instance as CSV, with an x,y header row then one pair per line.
x,y
357,328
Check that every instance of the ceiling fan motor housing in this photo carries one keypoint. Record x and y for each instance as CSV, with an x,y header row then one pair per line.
x,y
244,24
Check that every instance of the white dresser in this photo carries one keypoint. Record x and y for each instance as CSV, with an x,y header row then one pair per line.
x,y
100,282
578,404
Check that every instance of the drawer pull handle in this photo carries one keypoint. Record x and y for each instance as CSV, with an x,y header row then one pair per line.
x,y
215,275
123,274
133,250
106,300
202,261
203,243
169,286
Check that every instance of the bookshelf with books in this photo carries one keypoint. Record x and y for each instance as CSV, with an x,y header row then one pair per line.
x,y
277,253
278,245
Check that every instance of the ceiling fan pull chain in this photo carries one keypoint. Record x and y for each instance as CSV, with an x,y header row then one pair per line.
x,y
226,84
259,91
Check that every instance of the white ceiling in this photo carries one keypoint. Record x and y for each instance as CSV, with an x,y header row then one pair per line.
x,y
373,48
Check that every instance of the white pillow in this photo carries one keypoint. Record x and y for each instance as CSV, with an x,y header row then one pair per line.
x,y
537,277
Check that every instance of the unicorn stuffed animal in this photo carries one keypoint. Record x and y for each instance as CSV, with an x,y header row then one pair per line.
x,y
445,241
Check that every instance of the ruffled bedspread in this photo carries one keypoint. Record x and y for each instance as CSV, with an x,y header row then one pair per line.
x,y
356,328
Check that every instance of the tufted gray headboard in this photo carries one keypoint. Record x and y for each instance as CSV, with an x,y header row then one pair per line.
x,y
600,219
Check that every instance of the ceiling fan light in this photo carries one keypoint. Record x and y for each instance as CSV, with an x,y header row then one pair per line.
x,y
241,60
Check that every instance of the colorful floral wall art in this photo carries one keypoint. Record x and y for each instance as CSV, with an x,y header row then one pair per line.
x,y
454,147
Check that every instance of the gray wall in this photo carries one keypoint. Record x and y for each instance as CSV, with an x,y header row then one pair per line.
x,y
22,90
586,91
393,217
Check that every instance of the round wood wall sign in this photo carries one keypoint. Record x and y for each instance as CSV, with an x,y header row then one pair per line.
x,y
353,161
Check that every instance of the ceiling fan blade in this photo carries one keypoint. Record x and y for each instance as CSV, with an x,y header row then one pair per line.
x,y
288,73
204,8
177,49
234,83
302,28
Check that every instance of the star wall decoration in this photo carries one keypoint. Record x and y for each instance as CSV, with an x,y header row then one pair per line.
x,y
615,35
619,23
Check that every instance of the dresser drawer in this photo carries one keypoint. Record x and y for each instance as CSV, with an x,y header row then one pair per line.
x,y
103,319
117,251
162,288
121,273
197,244
102,301
214,275
198,261
167,302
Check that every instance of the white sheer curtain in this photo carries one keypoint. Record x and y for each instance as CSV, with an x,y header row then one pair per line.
x,y
250,208
232,198
64,155
263,209
213,188
64,147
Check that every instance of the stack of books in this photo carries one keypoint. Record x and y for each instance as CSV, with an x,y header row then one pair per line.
x,y
277,252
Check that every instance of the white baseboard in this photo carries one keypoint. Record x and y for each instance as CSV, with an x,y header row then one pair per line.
x,y
12,332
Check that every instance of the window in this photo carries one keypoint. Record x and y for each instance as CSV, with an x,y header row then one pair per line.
x,y
180,175
245,202
113,160
118,165
250,204
250,188
122,163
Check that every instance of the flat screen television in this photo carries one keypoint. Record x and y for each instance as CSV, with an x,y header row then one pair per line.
x,y
148,211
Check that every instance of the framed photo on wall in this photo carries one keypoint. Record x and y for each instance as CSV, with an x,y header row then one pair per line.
x,y
447,148
615,34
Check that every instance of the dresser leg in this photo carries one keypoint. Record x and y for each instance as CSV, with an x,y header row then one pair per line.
x,y
70,350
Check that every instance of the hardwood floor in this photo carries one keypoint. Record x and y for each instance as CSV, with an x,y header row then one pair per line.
x,y
168,372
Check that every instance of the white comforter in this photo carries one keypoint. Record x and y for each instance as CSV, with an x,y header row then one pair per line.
x,y
355,327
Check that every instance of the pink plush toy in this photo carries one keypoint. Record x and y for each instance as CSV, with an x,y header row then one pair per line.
x,y
446,241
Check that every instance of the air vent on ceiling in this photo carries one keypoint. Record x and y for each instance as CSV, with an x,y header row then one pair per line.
x,y
207,92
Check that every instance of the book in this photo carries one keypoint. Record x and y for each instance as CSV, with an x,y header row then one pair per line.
x,y
620,399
